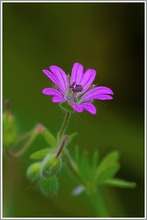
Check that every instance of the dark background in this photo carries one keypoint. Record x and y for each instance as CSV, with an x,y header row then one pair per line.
x,y
108,37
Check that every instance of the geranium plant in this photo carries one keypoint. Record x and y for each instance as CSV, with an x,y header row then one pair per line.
x,y
74,92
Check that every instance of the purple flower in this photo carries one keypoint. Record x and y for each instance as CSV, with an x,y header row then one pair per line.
x,y
76,91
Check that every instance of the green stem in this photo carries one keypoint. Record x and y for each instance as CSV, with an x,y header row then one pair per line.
x,y
74,168
98,203
22,138
64,125
24,148
93,193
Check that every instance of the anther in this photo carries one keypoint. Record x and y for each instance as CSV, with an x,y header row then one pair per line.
x,y
75,99
78,88
69,97
72,85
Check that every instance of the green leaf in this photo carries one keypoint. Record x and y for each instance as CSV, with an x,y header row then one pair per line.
x,y
108,173
71,137
39,155
95,159
77,154
50,139
86,169
120,183
108,167
84,165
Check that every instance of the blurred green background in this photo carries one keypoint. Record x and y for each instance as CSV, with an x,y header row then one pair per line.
x,y
108,37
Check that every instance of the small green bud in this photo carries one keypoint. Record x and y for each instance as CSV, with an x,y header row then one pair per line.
x,y
49,186
33,172
50,166
10,129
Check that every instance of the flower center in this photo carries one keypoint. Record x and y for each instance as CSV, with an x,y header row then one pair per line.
x,y
75,88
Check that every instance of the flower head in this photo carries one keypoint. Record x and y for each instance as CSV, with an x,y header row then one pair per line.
x,y
77,90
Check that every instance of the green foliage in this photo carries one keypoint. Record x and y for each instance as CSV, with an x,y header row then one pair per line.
x,y
33,171
39,155
50,139
108,167
99,173
71,137
87,170
119,183
10,130
49,186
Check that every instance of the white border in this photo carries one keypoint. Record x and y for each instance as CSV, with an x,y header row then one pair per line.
x,y
145,17
76,1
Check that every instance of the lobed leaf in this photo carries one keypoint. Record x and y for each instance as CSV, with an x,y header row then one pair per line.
x,y
120,183
108,167
108,173
87,170
95,159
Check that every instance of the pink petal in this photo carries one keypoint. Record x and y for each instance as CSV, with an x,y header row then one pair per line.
x,y
89,107
58,99
61,77
52,92
54,79
76,107
100,92
87,80
77,73
104,97
49,75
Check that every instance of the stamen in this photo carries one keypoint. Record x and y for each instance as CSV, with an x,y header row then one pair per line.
x,y
75,99
69,97
72,85
75,89
78,88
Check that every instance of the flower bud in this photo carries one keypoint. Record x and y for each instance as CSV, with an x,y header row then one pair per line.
x,y
49,186
10,129
33,172
50,166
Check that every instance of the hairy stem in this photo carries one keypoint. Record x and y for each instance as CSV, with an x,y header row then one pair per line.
x,y
63,142
24,148
31,135
23,137
64,125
